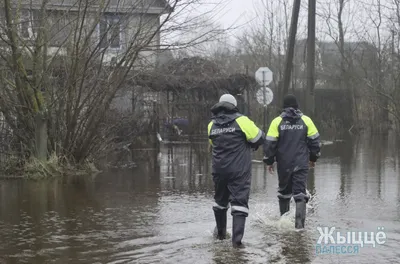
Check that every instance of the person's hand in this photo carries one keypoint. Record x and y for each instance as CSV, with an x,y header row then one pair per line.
x,y
311,164
271,169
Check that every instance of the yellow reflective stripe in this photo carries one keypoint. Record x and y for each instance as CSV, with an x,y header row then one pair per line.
x,y
209,127
252,132
209,130
273,131
312,131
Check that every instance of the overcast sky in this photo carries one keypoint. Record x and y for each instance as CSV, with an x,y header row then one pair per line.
x,y
243,14
237,11
360,18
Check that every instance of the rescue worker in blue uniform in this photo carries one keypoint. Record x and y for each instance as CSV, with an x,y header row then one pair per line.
x,y
232,136
293,142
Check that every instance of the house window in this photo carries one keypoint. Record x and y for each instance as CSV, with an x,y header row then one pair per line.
x,y
25,26
110,32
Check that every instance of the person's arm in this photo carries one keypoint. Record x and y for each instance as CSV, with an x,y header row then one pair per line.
x,y
271,142
313,139
254,136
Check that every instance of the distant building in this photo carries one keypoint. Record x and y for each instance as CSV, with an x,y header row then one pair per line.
x,y
362,57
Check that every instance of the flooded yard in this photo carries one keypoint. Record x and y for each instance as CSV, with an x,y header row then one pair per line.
x,y
163,213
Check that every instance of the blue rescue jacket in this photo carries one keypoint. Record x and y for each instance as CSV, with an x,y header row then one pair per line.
x,y
292,141
232,136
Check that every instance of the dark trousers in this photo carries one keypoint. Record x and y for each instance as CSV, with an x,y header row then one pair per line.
x,y
233,188
293,184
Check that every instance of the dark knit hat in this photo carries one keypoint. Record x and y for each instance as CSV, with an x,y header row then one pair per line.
x,y
290,101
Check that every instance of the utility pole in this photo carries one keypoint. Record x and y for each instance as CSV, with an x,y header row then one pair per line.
x,y
310,95
290,51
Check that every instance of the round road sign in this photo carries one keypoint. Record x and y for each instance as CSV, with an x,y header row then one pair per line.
x,y
269,96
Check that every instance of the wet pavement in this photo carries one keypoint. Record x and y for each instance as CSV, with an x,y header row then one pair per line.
x,y
163,214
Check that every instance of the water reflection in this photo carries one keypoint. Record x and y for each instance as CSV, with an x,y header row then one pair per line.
x,y
76,218
297,247
225,254
185,168
160,212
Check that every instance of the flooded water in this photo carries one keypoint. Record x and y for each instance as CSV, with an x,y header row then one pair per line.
x,y
163,214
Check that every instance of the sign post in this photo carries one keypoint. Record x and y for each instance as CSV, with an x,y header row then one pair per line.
x,y
265,105
264,95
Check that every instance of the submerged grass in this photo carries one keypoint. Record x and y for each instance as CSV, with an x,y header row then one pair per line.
x,y
35,169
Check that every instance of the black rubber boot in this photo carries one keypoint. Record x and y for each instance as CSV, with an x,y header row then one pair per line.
x,y
238,226
300,214
220,219
284,205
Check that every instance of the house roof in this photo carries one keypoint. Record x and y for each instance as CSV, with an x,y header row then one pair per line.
x,y
119,6
195,73
332,47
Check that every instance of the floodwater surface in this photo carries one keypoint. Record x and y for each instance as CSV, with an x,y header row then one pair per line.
x,y
163,213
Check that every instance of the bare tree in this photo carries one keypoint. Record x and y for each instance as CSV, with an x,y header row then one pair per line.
x,y
266,38
339,26
64,63
383,80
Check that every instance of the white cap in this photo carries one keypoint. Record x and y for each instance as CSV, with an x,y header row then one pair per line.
x,y
228,98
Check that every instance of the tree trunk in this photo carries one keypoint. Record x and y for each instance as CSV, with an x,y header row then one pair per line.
x,y
41,137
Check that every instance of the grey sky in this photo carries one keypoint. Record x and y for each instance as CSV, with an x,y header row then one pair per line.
x,y
360,18
238,12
